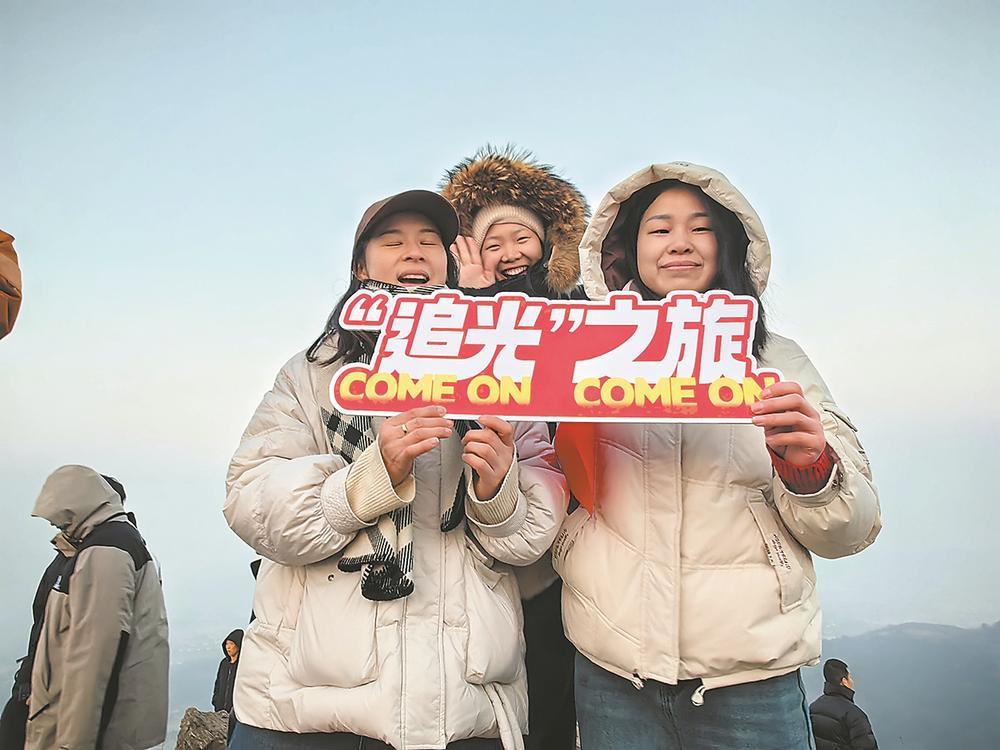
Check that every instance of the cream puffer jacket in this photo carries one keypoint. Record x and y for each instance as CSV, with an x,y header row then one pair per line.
x,y
697,561
443,664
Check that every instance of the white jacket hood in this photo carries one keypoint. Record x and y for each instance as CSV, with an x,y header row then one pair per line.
x,y
603,259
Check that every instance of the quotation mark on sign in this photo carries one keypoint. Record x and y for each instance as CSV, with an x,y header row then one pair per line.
x,y
558,317
365,311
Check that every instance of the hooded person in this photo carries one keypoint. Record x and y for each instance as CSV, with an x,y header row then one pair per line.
x,y
225,678
15,714
386,612
521,226
10,284
689,591
99,676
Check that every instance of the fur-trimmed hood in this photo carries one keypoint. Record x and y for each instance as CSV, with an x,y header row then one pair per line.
x,y
507,176
603,249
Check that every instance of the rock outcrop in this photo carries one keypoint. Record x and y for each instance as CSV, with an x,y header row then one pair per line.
x,y
202,730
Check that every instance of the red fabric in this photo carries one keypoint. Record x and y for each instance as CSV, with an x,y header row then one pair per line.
x,y
805,480
576,444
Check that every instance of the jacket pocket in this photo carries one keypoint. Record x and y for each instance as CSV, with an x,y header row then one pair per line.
x,y
334,643
566,539
495,648
791,584
39,712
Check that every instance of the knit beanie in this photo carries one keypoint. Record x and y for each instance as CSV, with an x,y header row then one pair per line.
x,y
505,214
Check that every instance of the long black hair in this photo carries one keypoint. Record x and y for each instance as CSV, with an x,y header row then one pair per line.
x,y
350,345
731,238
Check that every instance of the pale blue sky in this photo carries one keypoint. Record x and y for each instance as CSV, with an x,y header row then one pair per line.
x,y
184,181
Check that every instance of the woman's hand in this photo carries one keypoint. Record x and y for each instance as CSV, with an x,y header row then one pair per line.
x,y
404,437
489,452
791,426
473,272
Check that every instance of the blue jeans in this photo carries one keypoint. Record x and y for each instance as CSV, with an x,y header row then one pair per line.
x,y
768,715
251,738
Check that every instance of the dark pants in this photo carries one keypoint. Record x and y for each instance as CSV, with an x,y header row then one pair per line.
x,y
551,708
13,725
251,738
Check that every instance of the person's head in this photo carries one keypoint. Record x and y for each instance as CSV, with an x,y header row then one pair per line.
x,y
404,249
511,247
232,644
75,499
835,672
401,243
676,238
521,214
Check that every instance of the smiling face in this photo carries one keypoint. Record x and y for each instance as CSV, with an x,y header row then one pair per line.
x,y
405,249
511,248
676,247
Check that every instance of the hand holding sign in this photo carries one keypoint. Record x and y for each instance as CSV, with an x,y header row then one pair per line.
x,y
489,452
473,272
404,437
791,426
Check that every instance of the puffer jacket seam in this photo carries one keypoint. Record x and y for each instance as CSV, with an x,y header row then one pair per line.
x,y
679,498
646,573
625,543
607,620
618,447
725,566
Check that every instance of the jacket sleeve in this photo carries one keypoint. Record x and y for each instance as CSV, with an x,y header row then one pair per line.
x,y
101,597
286,495
540,505
216,693
859,728
10,284
844,516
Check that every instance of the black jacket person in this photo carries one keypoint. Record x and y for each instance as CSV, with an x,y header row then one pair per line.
x,y
225,678
99,678
838,724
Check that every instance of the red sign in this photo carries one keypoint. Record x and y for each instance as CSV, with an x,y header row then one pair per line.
x,y
686,358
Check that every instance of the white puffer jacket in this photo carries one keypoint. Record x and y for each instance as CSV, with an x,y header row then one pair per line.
x,y
445,663
697,561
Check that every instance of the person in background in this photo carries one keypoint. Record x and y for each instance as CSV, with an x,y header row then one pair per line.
x,y
225,678
15,713
10,284
99,676
521,228
837,722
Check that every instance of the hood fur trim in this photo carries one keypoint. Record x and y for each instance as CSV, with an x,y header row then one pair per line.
x,y
506,176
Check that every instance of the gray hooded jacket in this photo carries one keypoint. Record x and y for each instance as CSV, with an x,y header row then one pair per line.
x,y
100,674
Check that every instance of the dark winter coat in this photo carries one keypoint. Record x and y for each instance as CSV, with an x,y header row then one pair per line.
x,y
838,724
533,282
225,679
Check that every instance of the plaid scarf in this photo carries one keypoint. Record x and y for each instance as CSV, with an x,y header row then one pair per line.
x,y
384,551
